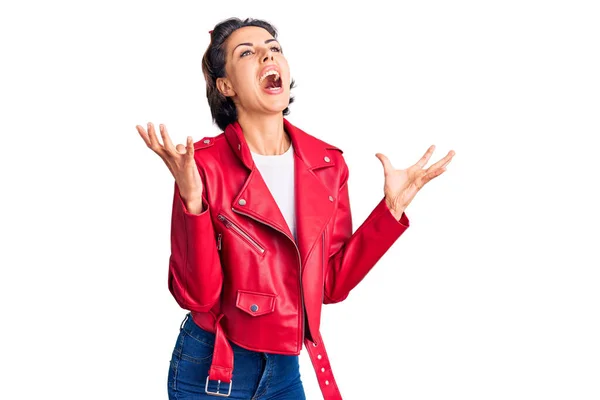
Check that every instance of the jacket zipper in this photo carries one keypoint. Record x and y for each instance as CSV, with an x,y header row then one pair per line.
x,y
219,241
323,268
303,311
230,225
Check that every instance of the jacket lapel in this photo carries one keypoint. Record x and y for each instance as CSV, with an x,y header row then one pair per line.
x,y
314,202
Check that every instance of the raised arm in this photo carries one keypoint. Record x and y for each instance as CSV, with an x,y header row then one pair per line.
x,y
195,274
351,256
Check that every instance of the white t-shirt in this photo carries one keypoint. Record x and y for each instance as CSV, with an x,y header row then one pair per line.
x,y
278,173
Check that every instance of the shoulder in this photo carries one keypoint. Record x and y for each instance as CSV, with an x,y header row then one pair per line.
x,y
318,152
326,145
317,143
208,142
323,156
326,153
206,151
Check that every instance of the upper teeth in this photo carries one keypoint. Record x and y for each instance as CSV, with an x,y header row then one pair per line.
x,y
270,72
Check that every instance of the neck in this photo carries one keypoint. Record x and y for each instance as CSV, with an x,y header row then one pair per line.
x,y
265,134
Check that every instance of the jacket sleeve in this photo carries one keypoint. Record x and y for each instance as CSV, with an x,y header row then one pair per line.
x,y
351,256
195,273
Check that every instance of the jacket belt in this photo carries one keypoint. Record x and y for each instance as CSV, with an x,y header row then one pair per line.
x,y
221,368
320,362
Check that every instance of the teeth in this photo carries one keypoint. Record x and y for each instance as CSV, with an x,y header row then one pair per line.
x,y
270,72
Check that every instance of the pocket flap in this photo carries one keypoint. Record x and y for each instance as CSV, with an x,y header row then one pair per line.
x,y
255,303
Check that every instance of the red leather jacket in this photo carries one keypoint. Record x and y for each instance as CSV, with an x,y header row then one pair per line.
x,y
237,267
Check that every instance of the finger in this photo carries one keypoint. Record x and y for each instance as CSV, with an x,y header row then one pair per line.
x,y
143,134
155,143
181,149
444,161
387,165
421,163
190,147
431,175
152,136
165,137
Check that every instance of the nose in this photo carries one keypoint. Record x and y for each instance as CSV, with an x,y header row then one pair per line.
x,y
267,54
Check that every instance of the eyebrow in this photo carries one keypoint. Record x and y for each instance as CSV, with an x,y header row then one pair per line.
x,y
250,44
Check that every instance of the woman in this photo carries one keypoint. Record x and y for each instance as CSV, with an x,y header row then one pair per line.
x,y
261,232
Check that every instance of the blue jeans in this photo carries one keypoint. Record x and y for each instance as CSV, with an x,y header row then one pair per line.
x,y
256,375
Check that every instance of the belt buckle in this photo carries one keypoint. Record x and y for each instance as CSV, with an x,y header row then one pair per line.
x,y
217,393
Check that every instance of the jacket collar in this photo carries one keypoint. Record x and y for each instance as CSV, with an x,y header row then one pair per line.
x,y
313,198
310,149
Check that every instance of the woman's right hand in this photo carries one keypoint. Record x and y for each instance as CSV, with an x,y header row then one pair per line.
x,y
181,163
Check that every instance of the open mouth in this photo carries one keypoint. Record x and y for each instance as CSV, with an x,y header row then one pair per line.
x,y
271,80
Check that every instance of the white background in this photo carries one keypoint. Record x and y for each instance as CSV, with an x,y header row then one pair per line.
x,y
493,291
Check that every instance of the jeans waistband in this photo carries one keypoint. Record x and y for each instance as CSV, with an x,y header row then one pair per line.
x,y
192,329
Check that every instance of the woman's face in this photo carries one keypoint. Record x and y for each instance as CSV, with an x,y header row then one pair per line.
x,y
250,53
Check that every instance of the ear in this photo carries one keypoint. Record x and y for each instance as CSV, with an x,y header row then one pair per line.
x,y
225,87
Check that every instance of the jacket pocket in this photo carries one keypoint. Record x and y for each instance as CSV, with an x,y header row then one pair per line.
x,y
255,303
229,224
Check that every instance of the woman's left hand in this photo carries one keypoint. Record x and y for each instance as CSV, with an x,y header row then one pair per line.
x,y
401,185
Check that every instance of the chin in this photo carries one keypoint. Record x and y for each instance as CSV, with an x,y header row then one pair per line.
x,y
279,104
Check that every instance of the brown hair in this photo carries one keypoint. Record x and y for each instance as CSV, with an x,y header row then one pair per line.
x,y
222,108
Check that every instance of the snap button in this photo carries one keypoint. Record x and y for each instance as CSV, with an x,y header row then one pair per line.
x,y
207,141
327,382
330,198
319,356
322,369
327,159
242,202
315,344
254,308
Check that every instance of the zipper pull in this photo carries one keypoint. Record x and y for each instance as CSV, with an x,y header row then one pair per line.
x,y
219,240
224,220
